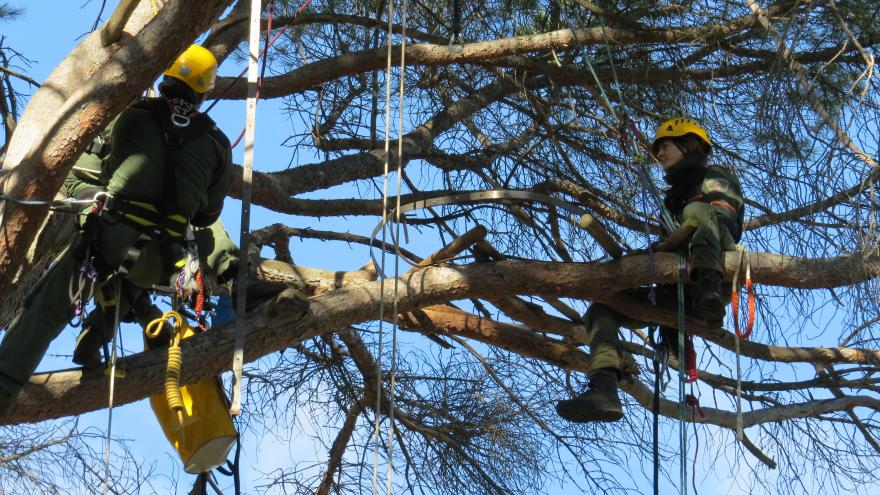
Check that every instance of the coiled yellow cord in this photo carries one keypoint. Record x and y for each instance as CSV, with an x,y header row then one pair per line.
x,y
175,359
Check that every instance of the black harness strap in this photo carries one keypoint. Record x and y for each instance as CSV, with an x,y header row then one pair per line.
x,y
146,218
652,333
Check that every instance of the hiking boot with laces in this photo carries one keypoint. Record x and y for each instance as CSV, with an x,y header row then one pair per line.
x,y
708,303
599,402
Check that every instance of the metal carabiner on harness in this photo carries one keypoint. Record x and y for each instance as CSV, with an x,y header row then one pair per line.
x,y
180,120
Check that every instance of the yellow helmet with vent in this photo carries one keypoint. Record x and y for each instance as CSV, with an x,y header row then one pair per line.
x,y
197,67
679,127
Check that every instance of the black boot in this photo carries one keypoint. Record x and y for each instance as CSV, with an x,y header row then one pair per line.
x,y
91,339
708,304
598,403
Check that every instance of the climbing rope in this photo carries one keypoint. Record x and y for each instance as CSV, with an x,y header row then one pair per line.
x,y
271,42
682,438
396,239
655,409
750,293
112,385
397,222
734,306
67,205
265,55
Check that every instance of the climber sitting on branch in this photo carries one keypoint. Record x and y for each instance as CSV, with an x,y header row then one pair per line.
x,y
707,201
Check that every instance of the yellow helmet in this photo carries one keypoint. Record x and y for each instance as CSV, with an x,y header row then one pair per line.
x,y
197,67
679,127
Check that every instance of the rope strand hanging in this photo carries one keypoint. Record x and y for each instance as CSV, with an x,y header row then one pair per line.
x,y
624,126
396,237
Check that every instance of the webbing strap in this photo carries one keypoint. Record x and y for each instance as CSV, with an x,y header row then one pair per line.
x,y
244,234
147,218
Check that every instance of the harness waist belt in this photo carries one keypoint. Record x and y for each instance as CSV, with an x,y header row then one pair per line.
x,y
147,218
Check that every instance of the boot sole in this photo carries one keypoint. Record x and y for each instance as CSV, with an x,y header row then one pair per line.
x,y
578,416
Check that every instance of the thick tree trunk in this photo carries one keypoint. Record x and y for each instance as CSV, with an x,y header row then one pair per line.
x,y
79,98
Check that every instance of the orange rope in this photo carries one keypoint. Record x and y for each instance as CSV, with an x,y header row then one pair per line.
x,y
734,304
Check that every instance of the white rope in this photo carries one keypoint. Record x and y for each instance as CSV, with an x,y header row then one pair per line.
x,y
739,419
390,469
382,259
247,174
110,398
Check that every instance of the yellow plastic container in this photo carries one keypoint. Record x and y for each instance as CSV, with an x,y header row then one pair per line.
x,y
207,434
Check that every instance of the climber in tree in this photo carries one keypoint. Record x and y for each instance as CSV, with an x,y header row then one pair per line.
x,y
706,196
167,168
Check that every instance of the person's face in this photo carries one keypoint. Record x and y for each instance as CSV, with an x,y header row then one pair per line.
x,y
668,154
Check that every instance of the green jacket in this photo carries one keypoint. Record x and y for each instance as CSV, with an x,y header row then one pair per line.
x,y
128,159
721,189
692,181
144,145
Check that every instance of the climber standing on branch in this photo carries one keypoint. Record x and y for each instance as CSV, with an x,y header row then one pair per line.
x,y
707,197
167,169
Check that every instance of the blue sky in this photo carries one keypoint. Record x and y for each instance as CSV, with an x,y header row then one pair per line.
x,y
61,23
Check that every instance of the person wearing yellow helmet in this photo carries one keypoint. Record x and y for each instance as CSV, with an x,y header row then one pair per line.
x,y
196,67
710,197
167,168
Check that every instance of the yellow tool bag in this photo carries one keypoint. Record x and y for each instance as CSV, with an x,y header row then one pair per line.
x,y
195,418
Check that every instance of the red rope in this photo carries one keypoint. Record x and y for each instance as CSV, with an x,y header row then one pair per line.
x,y
690,358
269,44
200,300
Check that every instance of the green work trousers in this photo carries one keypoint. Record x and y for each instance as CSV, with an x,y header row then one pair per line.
x,y
602,323
710,240
706,248
48,308
218,255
